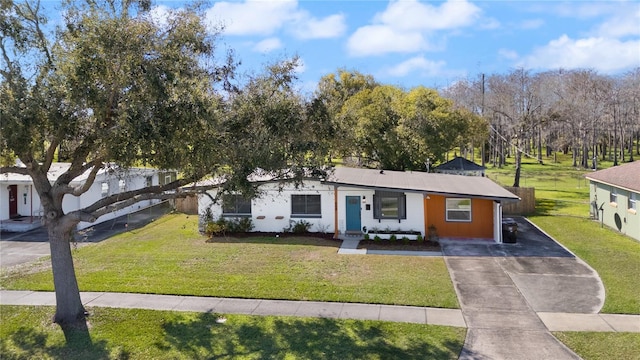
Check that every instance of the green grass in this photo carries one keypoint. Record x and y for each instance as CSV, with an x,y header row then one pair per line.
x,y
26,333
602,346
169,256
614,256
560,189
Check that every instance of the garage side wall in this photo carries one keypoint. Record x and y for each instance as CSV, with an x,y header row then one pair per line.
x,y
480,226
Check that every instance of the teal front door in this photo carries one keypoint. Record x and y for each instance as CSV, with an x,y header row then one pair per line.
x,y
353,213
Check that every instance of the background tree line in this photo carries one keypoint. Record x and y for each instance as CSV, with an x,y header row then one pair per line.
x,y
592,116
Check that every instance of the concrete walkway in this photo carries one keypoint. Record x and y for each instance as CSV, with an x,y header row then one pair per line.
x,y
408,314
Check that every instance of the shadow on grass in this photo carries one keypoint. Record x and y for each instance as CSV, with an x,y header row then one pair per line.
x,y
29,343
312,239
300,338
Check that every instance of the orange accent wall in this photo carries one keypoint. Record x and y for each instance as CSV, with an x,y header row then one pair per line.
x,y
481,225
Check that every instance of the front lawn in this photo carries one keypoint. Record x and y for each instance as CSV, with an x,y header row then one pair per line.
x,y
602,346
169,256
26,333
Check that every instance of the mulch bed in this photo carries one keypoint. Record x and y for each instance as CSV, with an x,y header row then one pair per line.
x,y
399,245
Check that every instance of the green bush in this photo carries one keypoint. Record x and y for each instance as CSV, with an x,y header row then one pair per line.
x,y
298,227
419,238
238,225
405,239
214,229
366,236
393,237
377,238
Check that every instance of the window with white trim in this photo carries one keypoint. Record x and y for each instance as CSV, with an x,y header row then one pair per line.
x,y
632,202
104,189
458,209
613,196
306,206
236,205
389,205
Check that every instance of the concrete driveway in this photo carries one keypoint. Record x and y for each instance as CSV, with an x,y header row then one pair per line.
x,y
501,287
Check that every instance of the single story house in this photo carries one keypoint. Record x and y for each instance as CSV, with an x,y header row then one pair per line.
x,y
356,200
21,210
614,194
460,166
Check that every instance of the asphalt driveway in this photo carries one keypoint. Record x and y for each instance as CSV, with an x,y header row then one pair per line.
x,y
20,248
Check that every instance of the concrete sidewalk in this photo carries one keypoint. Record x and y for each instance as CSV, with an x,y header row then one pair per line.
x,y
409,314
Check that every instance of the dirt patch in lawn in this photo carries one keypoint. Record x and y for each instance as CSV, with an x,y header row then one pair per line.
x,y
399,245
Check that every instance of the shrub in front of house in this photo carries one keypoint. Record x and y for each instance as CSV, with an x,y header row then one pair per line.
x,y
298,227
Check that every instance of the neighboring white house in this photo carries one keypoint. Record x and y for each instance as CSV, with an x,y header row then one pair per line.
x,y
355,201
615,197
21,210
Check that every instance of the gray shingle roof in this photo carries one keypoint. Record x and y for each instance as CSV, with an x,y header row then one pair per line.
x,y
429,183
460,163
624,176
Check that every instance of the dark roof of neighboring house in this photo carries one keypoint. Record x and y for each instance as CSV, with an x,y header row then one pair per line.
x,y
429,183
459,163
624,176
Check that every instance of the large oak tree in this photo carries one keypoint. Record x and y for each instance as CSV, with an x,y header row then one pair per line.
x,y
116,85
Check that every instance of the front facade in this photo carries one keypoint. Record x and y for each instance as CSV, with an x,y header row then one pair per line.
x,y
21,210
358,201
615,198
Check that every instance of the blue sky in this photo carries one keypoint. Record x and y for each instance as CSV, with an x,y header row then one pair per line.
x,y
431,43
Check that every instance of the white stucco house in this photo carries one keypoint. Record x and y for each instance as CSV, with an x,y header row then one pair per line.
x,y
21,210
615,197
356,200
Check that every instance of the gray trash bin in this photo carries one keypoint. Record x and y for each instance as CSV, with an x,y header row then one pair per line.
x,y
509,231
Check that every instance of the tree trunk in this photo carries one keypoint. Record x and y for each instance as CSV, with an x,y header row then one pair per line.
x,y
70,313
516,180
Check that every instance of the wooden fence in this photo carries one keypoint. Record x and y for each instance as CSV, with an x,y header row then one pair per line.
x,y
527,204
187,205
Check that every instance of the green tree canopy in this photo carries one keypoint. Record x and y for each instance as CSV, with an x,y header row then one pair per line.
x,y
115,86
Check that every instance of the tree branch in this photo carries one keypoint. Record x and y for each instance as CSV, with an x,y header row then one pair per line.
x,y
158,190
13,170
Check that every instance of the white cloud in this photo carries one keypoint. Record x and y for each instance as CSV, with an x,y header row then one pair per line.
x,y
251,17
377,40
257,17
160,15
532,24
600,53
307,27
623,24
413,15
268,45
418,64
508,54
405,25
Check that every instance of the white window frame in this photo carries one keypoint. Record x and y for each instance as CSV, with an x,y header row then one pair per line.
x,y
632,202
453,205
104,189
613,196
